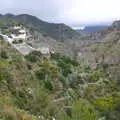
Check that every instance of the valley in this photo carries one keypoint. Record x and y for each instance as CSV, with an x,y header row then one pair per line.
x,y
49,71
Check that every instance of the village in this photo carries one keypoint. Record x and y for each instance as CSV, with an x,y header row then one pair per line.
x,y
17,36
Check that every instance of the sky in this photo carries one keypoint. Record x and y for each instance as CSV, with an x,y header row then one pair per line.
x,y
76,13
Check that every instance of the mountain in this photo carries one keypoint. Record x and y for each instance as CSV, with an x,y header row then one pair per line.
x,y
59,86
56,31
93,32
105,48
90,29
100,32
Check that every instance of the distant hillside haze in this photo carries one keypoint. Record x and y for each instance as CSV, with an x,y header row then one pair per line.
x,y
100,32
90,29
55,31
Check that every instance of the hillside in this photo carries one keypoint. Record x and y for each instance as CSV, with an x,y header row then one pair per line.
x,y
98,33
106,51
105,44
36,87
69,80
55,31
94,28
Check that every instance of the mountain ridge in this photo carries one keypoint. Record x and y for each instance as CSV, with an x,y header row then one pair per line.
x,y
58,31
93,28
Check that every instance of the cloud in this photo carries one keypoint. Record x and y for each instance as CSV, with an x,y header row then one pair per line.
x,y
93,11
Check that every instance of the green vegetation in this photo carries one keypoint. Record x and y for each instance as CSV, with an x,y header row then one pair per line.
x,y
81,110
35,87
17,41
3,54
65,63
50,87
31,58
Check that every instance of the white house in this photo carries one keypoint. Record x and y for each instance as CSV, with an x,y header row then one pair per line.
x,y
22,33
19,37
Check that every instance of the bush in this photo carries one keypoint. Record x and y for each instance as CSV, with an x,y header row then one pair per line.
x,y
48,85
65,68
31,58
40,75
107,104
65,63
29,66
96,75
80,110
4,54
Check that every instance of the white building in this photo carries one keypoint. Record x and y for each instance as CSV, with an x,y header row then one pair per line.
x,y
22,33
18,37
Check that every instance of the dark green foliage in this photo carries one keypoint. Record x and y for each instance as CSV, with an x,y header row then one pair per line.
x,y
48,85
65,59
64,63
65,68
21,98
31,58
4,54
40,75
29,66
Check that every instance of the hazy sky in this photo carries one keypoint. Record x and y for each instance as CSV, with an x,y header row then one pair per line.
x,y
72,12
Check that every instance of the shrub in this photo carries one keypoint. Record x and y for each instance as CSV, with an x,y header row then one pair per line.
x,y
31,58
65,63
80,110
48,85
96,75
40,75
108,103
4,54
29,66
